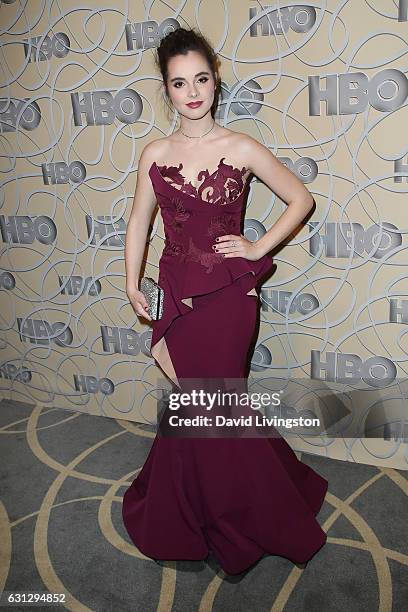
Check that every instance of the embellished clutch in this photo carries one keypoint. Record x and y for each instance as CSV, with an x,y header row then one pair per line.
x,y
154,295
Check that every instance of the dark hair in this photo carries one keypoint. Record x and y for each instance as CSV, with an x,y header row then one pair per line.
x,y
179,42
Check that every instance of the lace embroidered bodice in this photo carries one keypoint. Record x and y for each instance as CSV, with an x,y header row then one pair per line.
x,y
222,186
190,224
193,217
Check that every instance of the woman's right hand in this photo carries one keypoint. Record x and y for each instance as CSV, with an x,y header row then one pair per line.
x,y
139,303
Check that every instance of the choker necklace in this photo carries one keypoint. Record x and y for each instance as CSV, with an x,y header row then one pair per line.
x,y
198,136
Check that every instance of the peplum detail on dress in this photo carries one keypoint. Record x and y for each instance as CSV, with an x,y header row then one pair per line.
x,y
194,282
180,287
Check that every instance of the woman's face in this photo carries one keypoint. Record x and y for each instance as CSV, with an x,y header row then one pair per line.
x,y
190,80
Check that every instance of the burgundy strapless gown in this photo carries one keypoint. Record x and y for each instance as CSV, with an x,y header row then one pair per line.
x,y
236,497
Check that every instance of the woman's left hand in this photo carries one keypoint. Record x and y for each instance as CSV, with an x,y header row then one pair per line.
x,y
237,246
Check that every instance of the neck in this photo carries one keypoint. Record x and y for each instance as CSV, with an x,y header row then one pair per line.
x,y
196,127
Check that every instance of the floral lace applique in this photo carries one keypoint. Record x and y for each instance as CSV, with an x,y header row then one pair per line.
x,y
205,258
222,186
193,253
175,248
221,224
180,216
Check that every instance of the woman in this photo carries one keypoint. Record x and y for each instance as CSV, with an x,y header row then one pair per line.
x,y
237,498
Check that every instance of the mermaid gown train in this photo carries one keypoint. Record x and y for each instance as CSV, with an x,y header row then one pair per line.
x,y
236,497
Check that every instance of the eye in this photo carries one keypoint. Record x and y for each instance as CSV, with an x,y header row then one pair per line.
x,y
177,83
203,79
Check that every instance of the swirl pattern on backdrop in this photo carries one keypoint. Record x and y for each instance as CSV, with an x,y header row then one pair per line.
x,y
324,86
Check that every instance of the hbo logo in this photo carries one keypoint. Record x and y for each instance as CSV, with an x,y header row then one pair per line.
x,y
14,117
78,285
21,229
339,237
304,168
347,94
102,108
59,173
57,45
147,34
297,18
90,384
376,371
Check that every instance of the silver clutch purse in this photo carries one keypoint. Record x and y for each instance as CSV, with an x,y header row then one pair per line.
x,y
154,295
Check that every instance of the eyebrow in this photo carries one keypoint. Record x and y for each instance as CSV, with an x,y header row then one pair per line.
x,y
182,79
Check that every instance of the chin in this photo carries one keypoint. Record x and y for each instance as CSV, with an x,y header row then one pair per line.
x,y
204,109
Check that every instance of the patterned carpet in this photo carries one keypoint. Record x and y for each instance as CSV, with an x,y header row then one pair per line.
x,y
62,478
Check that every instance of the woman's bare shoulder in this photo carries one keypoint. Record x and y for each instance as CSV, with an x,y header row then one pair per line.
x,y
155,149
249,149
240,144
240,141
233,139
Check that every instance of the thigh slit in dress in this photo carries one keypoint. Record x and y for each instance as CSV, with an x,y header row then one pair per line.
x,y
236,497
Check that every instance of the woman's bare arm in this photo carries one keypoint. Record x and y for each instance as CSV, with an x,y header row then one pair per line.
x,y
286,186
144,203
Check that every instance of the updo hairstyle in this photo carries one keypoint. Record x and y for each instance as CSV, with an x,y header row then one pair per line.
x,y
179,42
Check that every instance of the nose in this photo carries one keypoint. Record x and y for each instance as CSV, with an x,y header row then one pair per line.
x,y
193,91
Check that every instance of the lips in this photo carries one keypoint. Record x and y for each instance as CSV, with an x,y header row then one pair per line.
x,y
194,104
